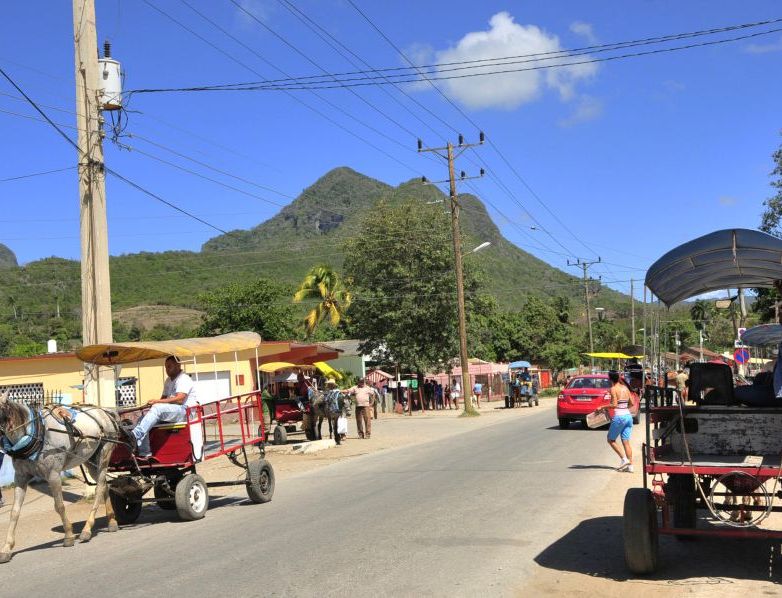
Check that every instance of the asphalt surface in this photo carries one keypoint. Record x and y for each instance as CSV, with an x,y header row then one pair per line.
x,y
461,516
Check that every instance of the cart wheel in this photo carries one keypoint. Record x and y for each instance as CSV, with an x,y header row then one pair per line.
x,y
280,435
680,491
564,423
637,419
127,502
640,531
537,402
260,481
191,497
308,425
164,500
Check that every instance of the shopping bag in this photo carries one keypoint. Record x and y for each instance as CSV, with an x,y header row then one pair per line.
x,y
597,419
342,425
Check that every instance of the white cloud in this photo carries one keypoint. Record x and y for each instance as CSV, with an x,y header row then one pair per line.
x,y
764,48
587,108
727,200
505,37
260,9
584,30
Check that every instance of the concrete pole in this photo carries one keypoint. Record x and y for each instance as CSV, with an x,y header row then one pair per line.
x,y
588,314
95,282
632,313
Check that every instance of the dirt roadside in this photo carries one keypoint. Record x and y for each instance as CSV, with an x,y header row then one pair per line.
x,y
40,525
588,559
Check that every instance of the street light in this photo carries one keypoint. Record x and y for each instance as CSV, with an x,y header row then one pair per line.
x,y
480,247
600,312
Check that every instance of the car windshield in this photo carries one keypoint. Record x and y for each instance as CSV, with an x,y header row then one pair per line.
x,y
601,383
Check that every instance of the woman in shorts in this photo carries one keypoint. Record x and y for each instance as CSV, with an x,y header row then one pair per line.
x,y
622,422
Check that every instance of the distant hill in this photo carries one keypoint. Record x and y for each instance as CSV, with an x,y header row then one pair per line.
x,y
309,231
7,257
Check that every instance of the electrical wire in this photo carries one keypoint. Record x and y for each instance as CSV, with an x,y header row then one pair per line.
x,y
36,174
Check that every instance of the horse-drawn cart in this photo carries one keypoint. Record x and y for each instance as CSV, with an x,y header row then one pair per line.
x,y
718,454
231,426
521,386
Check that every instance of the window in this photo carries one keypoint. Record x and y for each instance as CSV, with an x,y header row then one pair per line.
x,y
30,393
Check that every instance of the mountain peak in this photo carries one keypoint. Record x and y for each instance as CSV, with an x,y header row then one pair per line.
x,y
7,257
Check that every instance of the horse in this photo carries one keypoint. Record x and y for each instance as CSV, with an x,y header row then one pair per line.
x,y
45,442
321,408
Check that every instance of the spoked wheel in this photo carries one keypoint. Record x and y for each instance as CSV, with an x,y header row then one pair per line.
x,y
640,531
125,497
260,481
191,497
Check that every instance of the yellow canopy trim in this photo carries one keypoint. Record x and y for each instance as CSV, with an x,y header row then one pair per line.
x,y
276,366
612,356
114,353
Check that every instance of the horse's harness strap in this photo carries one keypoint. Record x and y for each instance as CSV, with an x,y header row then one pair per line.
x,y
30,445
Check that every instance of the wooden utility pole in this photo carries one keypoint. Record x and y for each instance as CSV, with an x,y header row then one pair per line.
x,y
469,409
95,282
585,266
632,313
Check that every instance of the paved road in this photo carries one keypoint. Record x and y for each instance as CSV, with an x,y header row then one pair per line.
x,y
462,516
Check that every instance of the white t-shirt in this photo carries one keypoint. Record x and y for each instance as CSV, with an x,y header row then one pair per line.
x,y
184,384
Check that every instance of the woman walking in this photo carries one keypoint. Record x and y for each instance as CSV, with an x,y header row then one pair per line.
x,y
622,422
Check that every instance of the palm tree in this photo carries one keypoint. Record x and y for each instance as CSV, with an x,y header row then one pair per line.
x,y
324,284
700,313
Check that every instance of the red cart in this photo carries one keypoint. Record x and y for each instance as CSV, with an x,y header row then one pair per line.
x,y
717,454
230,427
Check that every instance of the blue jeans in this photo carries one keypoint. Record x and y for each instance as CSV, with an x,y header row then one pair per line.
x,y
168,413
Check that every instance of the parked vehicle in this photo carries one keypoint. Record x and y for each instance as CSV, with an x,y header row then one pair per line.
x,y
232,427
716,455
583,395
522,386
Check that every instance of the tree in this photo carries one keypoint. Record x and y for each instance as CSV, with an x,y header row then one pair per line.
x,y
261,305
404,296
701,313
770,223
325,285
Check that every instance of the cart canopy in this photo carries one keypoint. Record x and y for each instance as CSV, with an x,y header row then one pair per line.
x,y
115,353
612,355
765,334
515,365
276,366
723,259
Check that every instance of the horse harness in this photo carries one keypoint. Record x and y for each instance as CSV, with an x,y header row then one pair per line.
x,y
29,446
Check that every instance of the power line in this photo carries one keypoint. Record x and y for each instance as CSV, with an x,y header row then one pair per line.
x,y
35,174
436,68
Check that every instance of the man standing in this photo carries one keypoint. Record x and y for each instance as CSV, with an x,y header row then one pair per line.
x,y
364,395
178,394
477,390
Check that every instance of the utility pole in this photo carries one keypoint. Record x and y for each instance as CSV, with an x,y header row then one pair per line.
x,y
632,313
585,266
676,345
95,282
469,409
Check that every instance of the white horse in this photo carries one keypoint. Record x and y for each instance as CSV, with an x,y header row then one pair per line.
x,y
44,443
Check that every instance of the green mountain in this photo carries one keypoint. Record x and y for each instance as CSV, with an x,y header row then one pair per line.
x,y
7,257
309,231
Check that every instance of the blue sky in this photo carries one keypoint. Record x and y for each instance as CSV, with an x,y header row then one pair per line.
x,y
632,156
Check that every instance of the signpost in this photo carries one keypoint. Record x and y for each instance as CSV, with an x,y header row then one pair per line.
x,y
741,356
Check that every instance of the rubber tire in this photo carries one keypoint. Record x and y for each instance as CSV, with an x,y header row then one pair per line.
x,y
682,498
127,511
280,435
260,481
166,505
309,428
537,402
640,531
186,510
637,420
564,423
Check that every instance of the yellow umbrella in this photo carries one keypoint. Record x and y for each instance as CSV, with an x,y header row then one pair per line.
x,y
327,370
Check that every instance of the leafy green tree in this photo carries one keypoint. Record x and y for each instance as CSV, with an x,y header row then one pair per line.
x,y
404,298
701,314
323,284
770,223
260,305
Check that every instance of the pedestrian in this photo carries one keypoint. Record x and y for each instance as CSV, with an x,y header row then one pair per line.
x,y
622,400
681,385
456,392
447,396
2,456
477,389
376,398
438,396
363,395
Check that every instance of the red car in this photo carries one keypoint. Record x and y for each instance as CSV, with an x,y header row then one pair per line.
x,y
583,395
